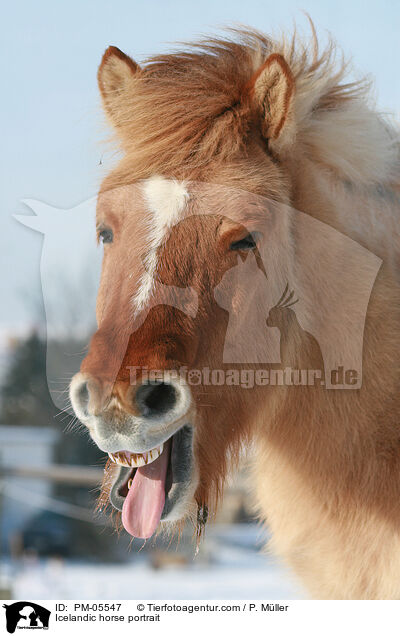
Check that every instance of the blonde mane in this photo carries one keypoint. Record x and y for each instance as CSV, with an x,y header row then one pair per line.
x,y
188,109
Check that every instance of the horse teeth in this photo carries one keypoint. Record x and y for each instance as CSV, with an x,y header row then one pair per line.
x,y
133,461
136,460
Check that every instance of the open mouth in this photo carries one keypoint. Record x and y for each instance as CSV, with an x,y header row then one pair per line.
x,y
149,486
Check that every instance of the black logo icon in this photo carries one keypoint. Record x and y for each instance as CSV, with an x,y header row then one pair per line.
x,y
26,615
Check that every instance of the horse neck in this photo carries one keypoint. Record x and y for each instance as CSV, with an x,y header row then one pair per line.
x,y
338,428
365,212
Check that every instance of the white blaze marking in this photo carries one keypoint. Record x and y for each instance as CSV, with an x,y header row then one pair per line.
x,y
166,200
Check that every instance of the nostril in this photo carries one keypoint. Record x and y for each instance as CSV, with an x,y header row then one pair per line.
x,y
89,395
83,396
155,398
80,398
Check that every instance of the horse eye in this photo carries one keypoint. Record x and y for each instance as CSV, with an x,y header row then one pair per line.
x,y
246,243
106,236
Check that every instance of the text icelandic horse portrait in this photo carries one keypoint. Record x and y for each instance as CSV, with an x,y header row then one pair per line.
x,y
228,146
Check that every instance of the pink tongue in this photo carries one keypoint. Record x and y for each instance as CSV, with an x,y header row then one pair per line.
x,y
144,503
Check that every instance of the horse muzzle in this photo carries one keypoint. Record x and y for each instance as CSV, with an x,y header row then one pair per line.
x,y
148,433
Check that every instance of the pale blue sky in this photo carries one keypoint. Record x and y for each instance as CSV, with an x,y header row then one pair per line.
x,y
51,113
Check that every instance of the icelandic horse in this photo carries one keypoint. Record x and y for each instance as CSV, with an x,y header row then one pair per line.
x,y
208,127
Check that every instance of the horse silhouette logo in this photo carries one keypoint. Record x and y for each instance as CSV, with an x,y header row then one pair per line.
x,y
26,615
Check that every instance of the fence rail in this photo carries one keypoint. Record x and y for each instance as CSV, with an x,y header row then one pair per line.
x,y
58,473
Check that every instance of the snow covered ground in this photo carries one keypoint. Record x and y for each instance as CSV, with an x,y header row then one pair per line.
x,y
234,568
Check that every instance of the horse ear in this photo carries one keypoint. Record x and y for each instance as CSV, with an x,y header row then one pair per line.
x,y
272,90
114,76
